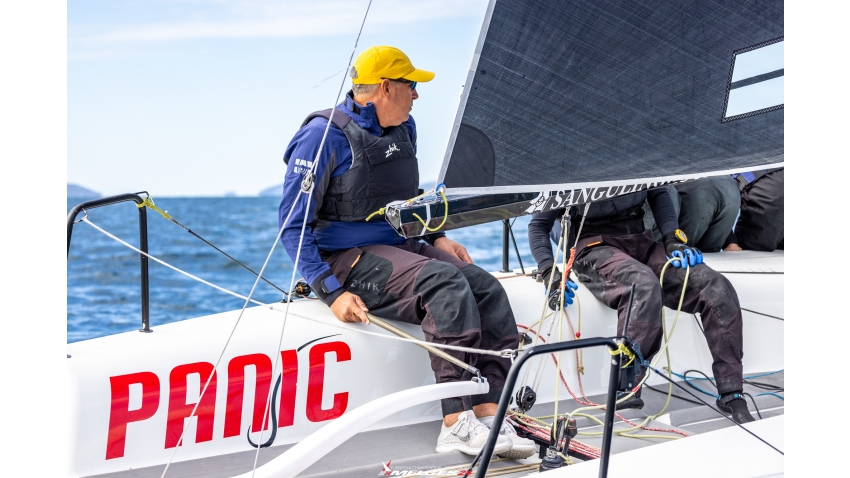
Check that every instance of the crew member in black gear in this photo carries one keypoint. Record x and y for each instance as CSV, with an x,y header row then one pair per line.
x,y
614,251
761,225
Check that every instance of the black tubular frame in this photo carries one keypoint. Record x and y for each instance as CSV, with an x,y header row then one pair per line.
x,y
510,382
508,233
143,241
506,254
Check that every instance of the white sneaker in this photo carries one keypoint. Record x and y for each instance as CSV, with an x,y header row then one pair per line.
x,y
520,447
469,436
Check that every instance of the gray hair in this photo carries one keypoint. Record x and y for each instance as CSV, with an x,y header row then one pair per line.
x,y
364,90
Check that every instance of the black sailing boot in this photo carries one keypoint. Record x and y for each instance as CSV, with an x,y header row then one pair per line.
x,y
632,402
734,404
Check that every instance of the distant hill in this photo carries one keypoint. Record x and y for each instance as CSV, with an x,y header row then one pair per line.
x,y
275,191
78,192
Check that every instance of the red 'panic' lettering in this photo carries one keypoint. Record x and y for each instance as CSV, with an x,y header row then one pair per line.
x,y
120,414
179,410
315,386
236,392
288,387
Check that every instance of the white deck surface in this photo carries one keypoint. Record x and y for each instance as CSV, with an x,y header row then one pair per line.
x,y
730,452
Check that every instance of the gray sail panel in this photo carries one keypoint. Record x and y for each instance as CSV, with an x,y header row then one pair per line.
x,y
569,92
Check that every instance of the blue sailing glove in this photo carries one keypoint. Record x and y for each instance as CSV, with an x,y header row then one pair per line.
x,y
675,243
554,300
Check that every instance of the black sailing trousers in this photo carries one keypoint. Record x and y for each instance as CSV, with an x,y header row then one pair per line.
x,y
608,270
456,303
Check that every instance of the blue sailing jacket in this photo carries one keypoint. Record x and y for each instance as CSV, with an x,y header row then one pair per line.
x,y
327,235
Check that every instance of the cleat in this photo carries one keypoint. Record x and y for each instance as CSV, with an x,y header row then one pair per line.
x,y
520,447
735,405
468,435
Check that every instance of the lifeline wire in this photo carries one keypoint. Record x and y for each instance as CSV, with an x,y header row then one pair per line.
x,y
308,190
503,353
221,355
149,203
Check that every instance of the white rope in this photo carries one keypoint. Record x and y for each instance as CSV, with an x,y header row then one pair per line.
x,y
309,192
273,307
226,343
543,315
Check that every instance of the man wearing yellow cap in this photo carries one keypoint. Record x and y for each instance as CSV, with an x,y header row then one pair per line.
x,y
367,160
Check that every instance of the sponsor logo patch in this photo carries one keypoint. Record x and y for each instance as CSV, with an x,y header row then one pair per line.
x,y
393,148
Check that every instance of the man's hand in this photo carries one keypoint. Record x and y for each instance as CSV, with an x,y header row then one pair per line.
x,y
554,300
447,245
679,249
349,308
732,248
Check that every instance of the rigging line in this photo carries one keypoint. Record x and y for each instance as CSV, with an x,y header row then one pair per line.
x,y
685,376
227,342
716,410
758,412
308,190
581,224
543,315
328,78
751,272
516,248
171,219
673,395
762,313
664,349
699,324
273,306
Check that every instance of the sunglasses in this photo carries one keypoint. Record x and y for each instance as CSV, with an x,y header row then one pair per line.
x,y
402,80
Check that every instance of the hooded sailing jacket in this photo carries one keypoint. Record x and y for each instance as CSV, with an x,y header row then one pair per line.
x,y
339,202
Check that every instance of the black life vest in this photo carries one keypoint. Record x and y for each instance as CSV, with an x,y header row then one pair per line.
x,y
619,215
383,169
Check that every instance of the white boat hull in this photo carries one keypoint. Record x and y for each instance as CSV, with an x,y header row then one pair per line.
x,y
129,392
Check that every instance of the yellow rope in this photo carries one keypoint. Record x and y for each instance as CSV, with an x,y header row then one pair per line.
x,y
566,458
149,203
622,349
445,214
379,211
665,349
441,192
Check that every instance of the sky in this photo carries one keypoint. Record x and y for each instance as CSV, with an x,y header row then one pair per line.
x,y
200,98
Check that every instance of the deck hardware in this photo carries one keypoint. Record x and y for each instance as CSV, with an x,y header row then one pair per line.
x,y
525,398
510,381
143,241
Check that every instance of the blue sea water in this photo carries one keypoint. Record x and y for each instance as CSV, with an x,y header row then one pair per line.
x,y
104,294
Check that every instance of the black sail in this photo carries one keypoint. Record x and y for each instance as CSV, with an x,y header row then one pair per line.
x,y
572,94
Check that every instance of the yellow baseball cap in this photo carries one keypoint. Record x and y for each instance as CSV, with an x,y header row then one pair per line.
x,y
380,62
